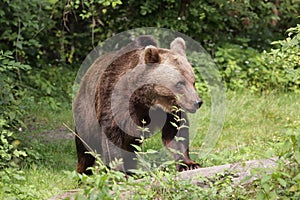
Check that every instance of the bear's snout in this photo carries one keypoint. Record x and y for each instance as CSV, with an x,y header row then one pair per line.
x,y
198,104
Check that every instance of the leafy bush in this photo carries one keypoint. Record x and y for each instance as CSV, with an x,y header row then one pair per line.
x,y
13,179
245,67
284,182
8,148
12,90
15,101
285,59
10,175
13,96
51,87
22,22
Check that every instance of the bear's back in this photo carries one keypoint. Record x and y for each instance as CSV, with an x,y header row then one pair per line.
x,y
104,69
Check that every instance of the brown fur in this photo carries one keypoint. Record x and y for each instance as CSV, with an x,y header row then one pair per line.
x,y
121,89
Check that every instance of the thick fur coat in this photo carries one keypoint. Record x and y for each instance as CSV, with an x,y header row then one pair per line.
x,y
140,82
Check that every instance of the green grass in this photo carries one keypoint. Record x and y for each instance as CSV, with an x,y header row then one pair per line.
x,y
53,155
42,117
253,124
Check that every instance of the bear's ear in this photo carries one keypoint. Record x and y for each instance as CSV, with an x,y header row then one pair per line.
x,y
151,55
178,46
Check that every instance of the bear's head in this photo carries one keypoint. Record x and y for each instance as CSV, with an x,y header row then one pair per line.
x,y
172,77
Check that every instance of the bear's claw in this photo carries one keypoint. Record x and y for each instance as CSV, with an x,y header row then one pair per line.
x,y
187,166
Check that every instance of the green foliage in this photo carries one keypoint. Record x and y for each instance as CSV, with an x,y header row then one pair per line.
x,y
36,170
244,67
54,36
253,125
8,148
27,20
51,87
74,27
162,182
11,177
16,98
213,22
284,182
12,90
286,58
252,23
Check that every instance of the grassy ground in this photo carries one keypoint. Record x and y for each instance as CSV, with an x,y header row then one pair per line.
x,y
53,156
253,123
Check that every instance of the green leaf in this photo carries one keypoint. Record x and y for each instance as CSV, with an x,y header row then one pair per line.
x,y
266,179
297,178
175,151
151,151
294,188
183,126
174,124
19,177
297,156
19,153
137,147
260,195
169,162
282,182
266,187
177,139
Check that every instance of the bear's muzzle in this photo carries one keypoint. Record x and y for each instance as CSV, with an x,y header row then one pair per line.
x,y
198,104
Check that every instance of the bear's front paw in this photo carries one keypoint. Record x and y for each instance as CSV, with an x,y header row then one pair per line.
x,y
184,166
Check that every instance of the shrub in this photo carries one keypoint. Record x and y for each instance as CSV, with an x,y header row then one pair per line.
x,y
285,59
284,182
12,90
10,175
13,98
279,69
51,87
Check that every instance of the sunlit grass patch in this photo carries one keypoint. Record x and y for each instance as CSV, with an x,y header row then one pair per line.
x,y
254,122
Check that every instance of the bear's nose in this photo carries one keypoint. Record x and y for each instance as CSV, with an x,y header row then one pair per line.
x,y
198,103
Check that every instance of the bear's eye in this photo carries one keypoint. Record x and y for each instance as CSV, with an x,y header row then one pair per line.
x,y
180,84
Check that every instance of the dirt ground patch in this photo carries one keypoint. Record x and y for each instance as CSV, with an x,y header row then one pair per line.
x,y
59,134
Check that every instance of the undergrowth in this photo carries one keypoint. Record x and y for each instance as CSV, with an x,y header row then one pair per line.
x,y
163,183
256,126
259,123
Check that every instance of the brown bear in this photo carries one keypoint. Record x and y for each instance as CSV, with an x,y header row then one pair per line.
x,y
139,85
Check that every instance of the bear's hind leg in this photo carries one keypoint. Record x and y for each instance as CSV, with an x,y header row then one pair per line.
x,y
85,159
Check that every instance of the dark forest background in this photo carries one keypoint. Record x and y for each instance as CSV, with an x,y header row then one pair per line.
x,y
254,43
